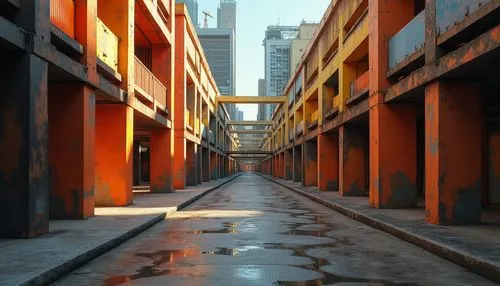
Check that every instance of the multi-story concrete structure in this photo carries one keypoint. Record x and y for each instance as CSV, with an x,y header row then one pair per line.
x,y
81,81
219,48
400,109
261,113
277,43
226,15
299,44
192,6
219,45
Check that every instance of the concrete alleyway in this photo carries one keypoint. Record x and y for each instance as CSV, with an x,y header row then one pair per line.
x,y
255,232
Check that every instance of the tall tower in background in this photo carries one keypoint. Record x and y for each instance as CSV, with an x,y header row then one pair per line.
x,y
226,14
277,44
261,114
219,46
192,6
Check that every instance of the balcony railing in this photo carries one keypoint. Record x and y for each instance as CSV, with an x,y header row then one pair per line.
x,y
211,137
300,128
407,41
314,116
107,45
359,86
451,12
187,118
146,81
62,15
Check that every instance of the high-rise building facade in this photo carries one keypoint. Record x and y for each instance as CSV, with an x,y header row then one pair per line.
x,y
299,45
277,44
192,6
219,46
226,14
261,113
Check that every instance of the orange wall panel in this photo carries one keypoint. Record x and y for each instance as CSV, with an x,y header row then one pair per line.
x,y
62,14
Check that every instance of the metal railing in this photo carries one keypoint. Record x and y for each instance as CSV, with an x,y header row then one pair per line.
x,y
107,45
359,85
451,12
146,81
407,41
62,15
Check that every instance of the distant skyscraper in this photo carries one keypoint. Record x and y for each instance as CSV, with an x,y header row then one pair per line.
x,y
192,6
219,46
261,114
277,44
299,45
226,14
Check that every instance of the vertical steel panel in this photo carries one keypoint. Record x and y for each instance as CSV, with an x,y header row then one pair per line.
x,y
62,14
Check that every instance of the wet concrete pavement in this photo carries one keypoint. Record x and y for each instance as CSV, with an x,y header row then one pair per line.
x,y
254,232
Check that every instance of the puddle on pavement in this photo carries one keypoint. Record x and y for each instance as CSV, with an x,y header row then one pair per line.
x,y
316,226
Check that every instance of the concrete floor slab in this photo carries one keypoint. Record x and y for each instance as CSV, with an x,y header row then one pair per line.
x,y
71,243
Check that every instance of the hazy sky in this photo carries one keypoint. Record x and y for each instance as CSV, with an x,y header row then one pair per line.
x,y
253,17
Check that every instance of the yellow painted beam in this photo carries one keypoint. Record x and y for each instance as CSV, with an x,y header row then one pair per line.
x,y
252,99
243,131
249,123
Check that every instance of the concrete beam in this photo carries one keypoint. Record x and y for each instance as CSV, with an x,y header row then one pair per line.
x,y
248,152
250,139
243,131
252,99
249,123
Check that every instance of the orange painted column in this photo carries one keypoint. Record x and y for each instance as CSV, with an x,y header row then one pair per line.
x,y
453,159
297,163
71,150
352,162
282,165
328,162
393,156
310,156
114,139
191,153
214,171
392,144
206,164
288,157
161,159
199,164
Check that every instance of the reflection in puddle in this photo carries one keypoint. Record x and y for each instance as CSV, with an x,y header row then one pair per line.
x,y
305,222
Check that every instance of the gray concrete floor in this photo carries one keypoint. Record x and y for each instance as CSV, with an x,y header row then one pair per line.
x,y
254,232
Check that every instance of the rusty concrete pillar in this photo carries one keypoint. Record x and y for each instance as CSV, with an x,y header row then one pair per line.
x,y
214,170
191,153
206,164
288,157
180,157
392,145
282,165
199,165
453,142
113,154
161,161
393,156
352,161
310,162
297,163
71,152
328,162
24,146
